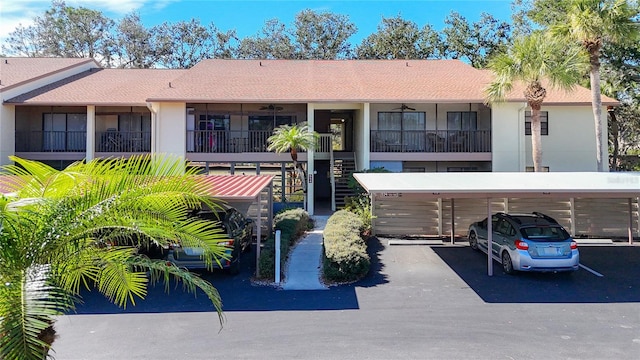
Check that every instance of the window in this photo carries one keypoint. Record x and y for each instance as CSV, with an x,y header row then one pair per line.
x,y
401,131
462,169
530,169
462,120
64,132
269,122
544,123
213,132
213,122
401,120
505,228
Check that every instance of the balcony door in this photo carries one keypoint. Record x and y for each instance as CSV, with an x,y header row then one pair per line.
x,y
64,132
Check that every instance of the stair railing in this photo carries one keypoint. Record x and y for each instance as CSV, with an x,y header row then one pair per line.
x,y
333,179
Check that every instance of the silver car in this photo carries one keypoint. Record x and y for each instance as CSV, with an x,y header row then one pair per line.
x,y
232,223
527,242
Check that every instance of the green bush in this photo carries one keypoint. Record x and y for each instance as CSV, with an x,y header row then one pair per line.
x,y
345,252
292,224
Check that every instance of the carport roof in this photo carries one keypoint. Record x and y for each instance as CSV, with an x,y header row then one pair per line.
x,y
504,184
237,187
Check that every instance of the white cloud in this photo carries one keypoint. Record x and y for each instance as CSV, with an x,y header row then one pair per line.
x,y
14,13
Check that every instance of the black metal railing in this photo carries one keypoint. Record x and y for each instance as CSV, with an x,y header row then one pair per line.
x,y
76,141
431,141
225,141
123,141
51,141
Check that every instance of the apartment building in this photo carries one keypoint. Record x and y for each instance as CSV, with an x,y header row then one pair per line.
x,y
405,116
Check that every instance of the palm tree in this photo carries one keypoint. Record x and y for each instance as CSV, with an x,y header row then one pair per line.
x,y
62,231
292,138
535,60
592,23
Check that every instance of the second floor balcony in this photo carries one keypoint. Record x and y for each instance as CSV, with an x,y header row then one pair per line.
x,y
252,141
76,141
431,141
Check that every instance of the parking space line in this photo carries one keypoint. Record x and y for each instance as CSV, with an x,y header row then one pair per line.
x,y
591,271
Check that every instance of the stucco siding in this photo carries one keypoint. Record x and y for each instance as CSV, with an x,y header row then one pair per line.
x,y
7,133
170,129
507,137
570,145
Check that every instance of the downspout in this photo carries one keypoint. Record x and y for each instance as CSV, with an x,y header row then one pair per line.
x,y
154,127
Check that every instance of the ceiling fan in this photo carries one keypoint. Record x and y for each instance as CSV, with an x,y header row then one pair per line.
x,y
272,107
404,107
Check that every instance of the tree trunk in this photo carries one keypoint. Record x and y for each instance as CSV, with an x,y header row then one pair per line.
x,y
536,146
615,133
596,103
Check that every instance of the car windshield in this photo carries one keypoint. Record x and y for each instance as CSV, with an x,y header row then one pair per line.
x,y
545,233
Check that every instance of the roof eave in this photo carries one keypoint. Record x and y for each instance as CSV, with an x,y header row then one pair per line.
x,y
9,87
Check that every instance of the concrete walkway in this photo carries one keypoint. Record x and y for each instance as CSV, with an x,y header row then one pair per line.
x,y
303,267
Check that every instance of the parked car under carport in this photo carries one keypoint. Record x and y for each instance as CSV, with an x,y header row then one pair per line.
x,y
489,186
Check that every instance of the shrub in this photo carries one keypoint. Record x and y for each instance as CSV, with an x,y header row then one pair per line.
x,y
361,206
292,224
360,203
345,252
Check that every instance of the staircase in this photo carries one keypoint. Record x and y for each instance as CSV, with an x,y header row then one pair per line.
x,y
342,169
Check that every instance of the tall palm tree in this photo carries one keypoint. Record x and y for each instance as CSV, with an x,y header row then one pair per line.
x,y
535,60
62,231
592,23
291,138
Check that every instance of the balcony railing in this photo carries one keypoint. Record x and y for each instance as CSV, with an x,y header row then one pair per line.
x,y
51,141
223,141
76,141
431,141
123,141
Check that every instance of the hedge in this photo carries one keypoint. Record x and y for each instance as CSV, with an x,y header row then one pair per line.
x,y
292,224
345,251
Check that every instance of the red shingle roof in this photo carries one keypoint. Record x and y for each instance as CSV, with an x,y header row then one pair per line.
x,y
102,87
327,81
17,71
414,81
292,81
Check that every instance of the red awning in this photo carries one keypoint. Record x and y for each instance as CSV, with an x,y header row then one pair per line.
x,y
237,187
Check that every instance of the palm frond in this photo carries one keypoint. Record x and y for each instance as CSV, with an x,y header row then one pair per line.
x,y
86,224
21,326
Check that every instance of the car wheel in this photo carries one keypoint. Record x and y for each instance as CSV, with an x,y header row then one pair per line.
x,y
473,241
507,265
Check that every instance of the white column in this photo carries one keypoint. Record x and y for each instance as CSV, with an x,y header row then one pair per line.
x,y
259,235
453,220
630,225
366,137
572,210
7,133
489,239
310,163
91,133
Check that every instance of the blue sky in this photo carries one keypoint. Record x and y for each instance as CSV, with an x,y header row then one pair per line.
x,y
248,17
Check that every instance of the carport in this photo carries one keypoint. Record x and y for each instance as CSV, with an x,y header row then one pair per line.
x,y
503,185
242,191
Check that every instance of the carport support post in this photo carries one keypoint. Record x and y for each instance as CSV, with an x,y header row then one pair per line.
x,y
277,269
453,221
630,221
259,235
489,239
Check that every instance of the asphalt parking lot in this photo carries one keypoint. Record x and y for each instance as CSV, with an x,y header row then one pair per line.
x,y
418,302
